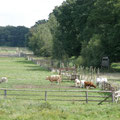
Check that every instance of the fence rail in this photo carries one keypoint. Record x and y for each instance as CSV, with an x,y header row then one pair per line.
x,y
59,95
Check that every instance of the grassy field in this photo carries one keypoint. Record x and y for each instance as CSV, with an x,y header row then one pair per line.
x,y
13,50
36,110
23,74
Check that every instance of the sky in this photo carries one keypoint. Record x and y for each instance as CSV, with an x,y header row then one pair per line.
x,y
25,12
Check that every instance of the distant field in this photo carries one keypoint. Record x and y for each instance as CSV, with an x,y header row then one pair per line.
x,y
13,50
23,74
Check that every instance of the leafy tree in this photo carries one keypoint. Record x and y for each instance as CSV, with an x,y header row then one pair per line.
x,y
58,51
86,29
40,22
40,40
104,20
92,51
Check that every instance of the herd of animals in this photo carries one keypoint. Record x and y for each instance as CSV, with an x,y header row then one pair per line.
x,y
80,83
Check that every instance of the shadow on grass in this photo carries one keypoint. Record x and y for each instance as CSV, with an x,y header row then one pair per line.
x,y
36,68
25,62
30,67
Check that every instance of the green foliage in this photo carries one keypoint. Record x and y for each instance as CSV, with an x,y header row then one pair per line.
x,y
92,51
79,61
67,34
86,28
58,51
104,20
13,36
40,40
115,67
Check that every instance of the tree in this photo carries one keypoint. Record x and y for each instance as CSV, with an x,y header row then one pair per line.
x,y
92,51
40,40
104,20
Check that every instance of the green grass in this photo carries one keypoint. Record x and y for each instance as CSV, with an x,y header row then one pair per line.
x,y
115,67
37,110
23,74
13,50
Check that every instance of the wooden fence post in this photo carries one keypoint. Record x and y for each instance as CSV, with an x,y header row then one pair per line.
x,y
45,95
113,96
86,96
5,93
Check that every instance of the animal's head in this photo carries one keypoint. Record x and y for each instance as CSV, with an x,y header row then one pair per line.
x,y
93,85
76,80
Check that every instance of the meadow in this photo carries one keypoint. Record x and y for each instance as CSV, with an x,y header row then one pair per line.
x,y
23,74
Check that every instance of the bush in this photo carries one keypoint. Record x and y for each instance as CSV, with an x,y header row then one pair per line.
x,y
92,52
79,61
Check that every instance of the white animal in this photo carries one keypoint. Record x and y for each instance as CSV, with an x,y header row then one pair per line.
x,y
104,80
77,82
99,81
3,79
82,83
53,71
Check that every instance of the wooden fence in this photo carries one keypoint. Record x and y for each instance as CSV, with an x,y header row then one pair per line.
x,y
59,95
117,95
10,55
110,86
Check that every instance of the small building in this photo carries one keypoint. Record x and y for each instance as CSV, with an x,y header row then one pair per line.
x,y
105,62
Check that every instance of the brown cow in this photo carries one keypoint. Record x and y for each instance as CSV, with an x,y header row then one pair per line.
x,y
52,78
89,84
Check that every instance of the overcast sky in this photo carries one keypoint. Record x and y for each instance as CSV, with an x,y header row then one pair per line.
x,y
25,12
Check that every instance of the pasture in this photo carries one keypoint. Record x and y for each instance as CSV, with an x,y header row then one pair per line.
x,y
23,74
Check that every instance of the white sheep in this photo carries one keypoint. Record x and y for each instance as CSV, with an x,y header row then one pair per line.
x,y
3,79
77,82
99,81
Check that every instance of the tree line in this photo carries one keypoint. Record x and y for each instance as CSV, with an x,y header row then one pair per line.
x,y
84,30
13,36
79,30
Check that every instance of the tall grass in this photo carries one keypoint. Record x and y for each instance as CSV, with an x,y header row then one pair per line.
x,y
37,110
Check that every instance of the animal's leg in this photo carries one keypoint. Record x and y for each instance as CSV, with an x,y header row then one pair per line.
x,y
75,84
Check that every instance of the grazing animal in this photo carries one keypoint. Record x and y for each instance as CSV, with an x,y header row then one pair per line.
x,y
82,83
3,79
52,78
89,84
77,82
99,81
